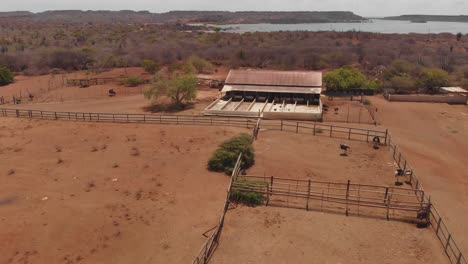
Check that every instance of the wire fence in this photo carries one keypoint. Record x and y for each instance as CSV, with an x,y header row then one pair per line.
x,y
440,228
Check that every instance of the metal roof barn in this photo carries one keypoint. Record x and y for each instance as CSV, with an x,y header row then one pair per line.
x,y
275,78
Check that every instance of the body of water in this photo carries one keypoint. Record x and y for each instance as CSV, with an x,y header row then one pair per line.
x,y
374,25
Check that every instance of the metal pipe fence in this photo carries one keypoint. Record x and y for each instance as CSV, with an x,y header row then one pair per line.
x,y
438,225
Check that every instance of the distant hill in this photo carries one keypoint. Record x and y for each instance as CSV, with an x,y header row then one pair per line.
x,y
461,18
247,17
77,16
16,14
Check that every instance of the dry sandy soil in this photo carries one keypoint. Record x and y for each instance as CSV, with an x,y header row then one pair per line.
x,y
51,94
347,111
280,235
106,193
434,138
299,156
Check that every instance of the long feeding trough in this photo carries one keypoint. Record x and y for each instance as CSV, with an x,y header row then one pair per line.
x,y
271,95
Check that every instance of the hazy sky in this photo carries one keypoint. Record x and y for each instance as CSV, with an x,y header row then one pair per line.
x,y
361,7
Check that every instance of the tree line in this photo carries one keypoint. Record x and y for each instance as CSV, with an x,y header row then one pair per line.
x,y
393,59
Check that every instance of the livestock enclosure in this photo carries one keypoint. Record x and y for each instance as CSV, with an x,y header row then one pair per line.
x,y
348,198
435,219
313,128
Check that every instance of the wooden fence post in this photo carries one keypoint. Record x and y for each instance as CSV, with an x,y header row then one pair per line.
x,y
349,135
297,127
386,195
314,128
308,195
448,242
438,226
347,196
331,131
281,124
459,258
386,137
55,114
388,209
367,139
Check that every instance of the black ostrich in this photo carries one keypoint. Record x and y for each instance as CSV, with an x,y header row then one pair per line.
x,y
345,149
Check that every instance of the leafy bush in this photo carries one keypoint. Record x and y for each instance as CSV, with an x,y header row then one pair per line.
x,y
150,66
6,76
433,78
179,87
345,78
132,81
250,198
367,102
201,65
224,159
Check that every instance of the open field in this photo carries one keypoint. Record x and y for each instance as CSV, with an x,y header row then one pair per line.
x,y
106,193
434,139
51,94
300,156
279,235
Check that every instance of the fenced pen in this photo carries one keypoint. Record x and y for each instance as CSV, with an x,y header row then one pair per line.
x,y
398,205
440,228
312,128
95,81
320,129
347,198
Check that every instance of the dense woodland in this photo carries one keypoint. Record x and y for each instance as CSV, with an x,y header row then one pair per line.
x,y
42,47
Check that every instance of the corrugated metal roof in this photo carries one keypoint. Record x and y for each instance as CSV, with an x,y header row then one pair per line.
x,y
272,89
454,89
275,78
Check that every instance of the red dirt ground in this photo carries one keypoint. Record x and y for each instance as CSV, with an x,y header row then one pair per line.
x,y
434,138
280,235
106,193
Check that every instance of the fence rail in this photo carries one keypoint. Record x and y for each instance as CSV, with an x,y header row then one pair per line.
x,y
212,242
349,198
440,228
131,118
319,129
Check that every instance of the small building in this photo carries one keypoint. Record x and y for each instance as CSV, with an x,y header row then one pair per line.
x,y
270,94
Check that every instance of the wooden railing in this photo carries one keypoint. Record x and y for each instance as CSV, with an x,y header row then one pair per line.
x,y
131,118
320,129
212,242
349,198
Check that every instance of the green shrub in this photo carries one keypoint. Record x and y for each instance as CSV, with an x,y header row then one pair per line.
x,y
225,157
132,81
367,102
6,76
150,66
248,198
